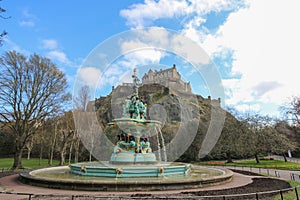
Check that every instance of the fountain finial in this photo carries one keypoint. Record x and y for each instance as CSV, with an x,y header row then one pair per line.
x,y
135,107
136,83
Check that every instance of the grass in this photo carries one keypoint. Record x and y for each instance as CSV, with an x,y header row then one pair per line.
x,y
291,195
7,163
271,164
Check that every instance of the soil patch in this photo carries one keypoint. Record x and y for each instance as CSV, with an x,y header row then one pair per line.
x,y
247,173
258,185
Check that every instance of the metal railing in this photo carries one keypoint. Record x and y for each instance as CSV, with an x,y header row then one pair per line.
x,y
256,196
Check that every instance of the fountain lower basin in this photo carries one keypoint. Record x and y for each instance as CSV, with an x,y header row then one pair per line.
x,y
62,178
138,170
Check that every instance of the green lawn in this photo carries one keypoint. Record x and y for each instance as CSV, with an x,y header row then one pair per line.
x,y
291,195
6,163
273,164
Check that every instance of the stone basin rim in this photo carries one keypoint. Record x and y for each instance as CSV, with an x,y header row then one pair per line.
x,y
226,175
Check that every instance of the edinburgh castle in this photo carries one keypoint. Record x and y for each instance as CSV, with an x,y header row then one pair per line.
x,y
170,78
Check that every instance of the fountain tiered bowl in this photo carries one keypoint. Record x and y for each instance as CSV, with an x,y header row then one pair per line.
x,y
130,162
136,128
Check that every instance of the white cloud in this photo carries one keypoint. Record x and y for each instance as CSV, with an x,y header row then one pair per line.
x,y
261,36
27,23
50,44
28,19
244,108
12,46
143,57
189,49
149,46
140,15
27,14
59,56
144,14
264,39
142,50
89,76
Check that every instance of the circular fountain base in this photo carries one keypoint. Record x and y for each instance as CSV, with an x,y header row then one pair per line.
x,y
106,169
62,178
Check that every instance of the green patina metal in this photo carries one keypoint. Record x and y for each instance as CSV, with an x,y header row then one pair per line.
x,y
134,126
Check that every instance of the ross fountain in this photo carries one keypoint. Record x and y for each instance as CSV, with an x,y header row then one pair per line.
x,y
133,147
132,166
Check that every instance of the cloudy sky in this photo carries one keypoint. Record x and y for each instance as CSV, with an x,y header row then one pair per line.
x,y
253,44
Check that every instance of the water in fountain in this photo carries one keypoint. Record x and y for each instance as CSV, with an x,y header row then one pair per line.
x,y
158,146
163,144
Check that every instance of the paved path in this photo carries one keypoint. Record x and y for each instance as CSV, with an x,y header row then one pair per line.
x,y
11,184
282,174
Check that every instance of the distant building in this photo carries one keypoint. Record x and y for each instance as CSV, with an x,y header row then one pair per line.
x,y
169,78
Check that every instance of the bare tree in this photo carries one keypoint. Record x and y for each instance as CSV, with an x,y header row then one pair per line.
x,y
81,102
83,98
92,132
66,131
4,33
291,110
31,89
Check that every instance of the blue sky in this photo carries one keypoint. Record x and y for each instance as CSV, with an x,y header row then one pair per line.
x,y
253,44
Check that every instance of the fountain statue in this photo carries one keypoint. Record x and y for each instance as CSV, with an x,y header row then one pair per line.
x,y
131,148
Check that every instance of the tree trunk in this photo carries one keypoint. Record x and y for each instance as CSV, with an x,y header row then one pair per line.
x,y
229,158
29,146
284,156
70,152
92,149
18,159
71,146
90,157
53,146
28,154
76,147
62,158
41,154
256,158
62,154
